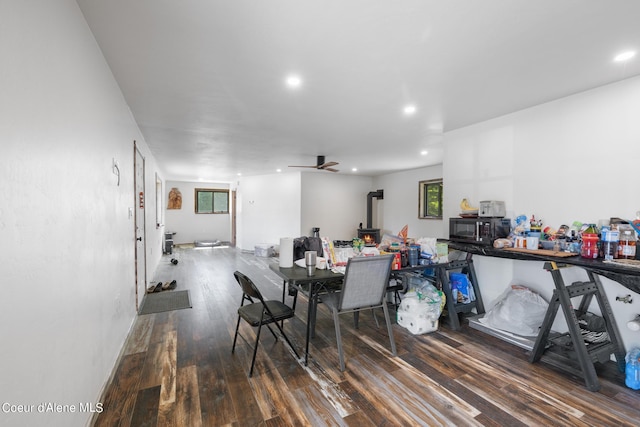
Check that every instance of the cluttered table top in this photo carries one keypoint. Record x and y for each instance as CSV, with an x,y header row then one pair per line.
x,y
625,272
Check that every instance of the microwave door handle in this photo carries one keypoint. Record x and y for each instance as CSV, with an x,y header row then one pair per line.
x,y
478,237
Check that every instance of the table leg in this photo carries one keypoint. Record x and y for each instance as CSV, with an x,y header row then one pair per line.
x,y
545,329
612,327
454,321
588,370
310,317
585,356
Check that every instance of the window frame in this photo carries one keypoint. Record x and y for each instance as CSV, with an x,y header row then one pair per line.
x,y
423,208
213,206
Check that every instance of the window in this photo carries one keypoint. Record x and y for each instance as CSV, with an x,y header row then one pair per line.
x,y
430,199
212,201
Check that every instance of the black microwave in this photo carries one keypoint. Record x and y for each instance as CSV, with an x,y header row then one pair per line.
x,y
481,231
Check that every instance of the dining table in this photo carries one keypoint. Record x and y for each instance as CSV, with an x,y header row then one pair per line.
x,y
327,280
323,280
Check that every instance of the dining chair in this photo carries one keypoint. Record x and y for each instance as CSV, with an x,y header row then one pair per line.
x,y
259,312
365,287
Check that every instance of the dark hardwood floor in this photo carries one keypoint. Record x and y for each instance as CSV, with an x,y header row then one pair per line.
x,y
177,369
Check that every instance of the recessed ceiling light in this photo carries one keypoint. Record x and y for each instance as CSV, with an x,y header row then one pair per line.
x,y
409,110
278,170
354,169
424,152
239,174
624,56
293,81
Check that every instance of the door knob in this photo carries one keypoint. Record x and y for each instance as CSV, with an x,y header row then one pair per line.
x,y
139,239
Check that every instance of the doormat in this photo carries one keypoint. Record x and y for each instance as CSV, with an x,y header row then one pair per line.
x,y
165,301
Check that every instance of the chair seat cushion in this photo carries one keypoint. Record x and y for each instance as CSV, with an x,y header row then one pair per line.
x,y
252,313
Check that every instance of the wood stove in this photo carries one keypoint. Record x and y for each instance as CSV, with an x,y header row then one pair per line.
x,y
370,235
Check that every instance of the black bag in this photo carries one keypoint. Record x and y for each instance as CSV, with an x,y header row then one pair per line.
x,y
303,244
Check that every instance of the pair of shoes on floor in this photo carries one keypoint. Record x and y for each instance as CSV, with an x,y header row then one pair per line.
x,y
162,287
174,261
169,285
154,288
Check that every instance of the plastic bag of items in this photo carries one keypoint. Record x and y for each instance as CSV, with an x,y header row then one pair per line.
x,y
436,253
461,288
421,307
519,311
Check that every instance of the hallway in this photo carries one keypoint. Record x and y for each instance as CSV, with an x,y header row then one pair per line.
x,y
177,368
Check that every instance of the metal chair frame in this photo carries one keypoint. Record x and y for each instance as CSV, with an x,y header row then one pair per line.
x,y
259,313
365,287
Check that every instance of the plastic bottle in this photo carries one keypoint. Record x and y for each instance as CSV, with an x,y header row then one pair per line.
x,y
397,264
610,239
413,255
590,239
632,371
627,244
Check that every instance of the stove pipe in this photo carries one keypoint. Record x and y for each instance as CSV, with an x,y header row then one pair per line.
x,y
378,195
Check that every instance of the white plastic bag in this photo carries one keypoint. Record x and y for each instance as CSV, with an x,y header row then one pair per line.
x,y
419,311
519,311
436,253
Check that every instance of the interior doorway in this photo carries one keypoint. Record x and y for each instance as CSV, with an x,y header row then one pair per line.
x,y
140,235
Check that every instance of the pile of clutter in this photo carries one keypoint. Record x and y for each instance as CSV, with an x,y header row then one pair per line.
x,y
409,252
615,240
413,252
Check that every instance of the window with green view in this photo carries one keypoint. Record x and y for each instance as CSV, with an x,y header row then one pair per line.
x,y
211,201
430,199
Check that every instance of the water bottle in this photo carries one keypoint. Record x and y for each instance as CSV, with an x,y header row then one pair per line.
x,y
632,371
413,256
610,240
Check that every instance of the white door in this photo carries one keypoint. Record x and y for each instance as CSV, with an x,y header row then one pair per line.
x,y
140,205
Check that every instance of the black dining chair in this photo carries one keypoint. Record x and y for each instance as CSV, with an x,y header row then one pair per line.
x,y
365,287
259,312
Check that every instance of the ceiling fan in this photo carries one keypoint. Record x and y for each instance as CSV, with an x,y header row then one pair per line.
x,y
321,165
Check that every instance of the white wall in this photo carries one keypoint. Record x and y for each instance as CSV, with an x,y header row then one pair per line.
x,y
400,204
574,159
190,226
291,204
68,243
335,203
268,209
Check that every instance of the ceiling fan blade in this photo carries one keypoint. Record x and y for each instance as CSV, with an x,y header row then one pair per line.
x,y
327,165
320,166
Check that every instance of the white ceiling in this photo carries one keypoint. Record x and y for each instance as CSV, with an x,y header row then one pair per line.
x,y
205,78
